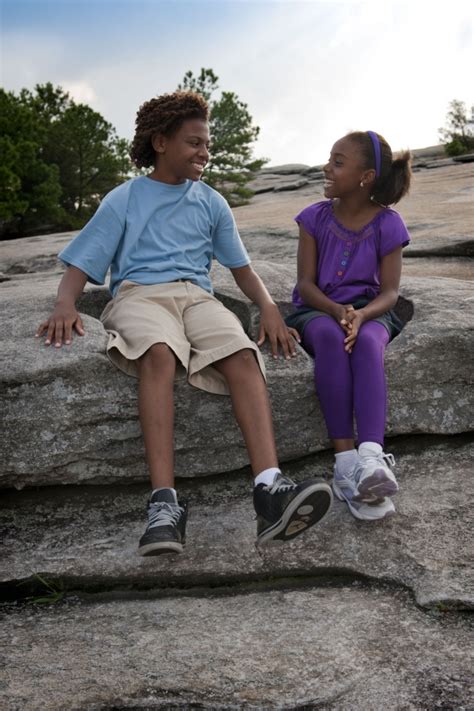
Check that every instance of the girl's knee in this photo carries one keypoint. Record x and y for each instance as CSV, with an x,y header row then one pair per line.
x,y
372,336
324,332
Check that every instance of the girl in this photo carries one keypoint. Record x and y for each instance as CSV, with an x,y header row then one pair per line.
x,y
349,265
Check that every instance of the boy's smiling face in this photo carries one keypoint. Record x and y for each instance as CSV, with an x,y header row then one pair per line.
x,y
183,155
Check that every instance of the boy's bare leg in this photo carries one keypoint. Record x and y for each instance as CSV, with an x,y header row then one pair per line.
x,y
157,369
251,407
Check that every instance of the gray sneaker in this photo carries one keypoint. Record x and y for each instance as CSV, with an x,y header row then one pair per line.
x,y
375,480
345,488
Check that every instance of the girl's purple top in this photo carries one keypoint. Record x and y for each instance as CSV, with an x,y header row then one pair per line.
x,y
349,262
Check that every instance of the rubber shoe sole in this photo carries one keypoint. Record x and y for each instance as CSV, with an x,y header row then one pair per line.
x,y
375,487
307,508
160,548
375,511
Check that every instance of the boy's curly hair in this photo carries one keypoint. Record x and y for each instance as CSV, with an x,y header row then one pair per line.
x,y
164,115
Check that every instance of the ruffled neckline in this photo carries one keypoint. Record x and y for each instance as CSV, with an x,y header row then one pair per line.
x,y
354,232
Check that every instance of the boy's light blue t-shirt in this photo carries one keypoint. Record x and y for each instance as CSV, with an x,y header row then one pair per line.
x,y
152,233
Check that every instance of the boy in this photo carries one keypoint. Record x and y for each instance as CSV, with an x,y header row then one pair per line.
x,y
158,234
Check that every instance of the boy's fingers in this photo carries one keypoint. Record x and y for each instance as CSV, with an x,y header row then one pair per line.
x,y
59,335
79,326
41,329
274,344
295,334
50,333
261,335
67,333
285,346
290,339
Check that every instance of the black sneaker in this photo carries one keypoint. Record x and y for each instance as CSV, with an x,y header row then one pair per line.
x,y
166,530
285,509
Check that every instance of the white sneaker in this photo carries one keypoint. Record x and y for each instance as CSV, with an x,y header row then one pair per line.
x,y
375,479
345,488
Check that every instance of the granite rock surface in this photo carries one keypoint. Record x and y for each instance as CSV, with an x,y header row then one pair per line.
x,y
78,415
348,648
351,616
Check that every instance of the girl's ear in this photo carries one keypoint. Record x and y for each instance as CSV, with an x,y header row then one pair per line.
x,y
158,143
368,176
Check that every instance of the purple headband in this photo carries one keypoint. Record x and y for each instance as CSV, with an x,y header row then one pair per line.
x,y
376,143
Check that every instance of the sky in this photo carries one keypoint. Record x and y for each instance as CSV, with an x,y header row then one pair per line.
x,y
309,71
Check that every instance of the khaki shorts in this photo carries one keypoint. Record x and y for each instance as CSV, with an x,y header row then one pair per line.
x,y
191,321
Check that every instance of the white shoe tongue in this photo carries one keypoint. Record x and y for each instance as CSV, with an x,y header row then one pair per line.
x,y
370,448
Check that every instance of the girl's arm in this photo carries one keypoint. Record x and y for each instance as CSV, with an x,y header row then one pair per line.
x,y
307,267
390,271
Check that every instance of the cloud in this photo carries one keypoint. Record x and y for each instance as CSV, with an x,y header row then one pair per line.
x,y
81,92
309,71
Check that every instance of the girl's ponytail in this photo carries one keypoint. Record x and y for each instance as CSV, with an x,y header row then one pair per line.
x,y
393,181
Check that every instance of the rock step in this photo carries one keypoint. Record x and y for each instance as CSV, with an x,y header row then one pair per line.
x,y
70,417
85,538
345,648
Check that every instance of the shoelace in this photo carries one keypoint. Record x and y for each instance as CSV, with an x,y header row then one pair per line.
x,y
163,514
280,485
382,458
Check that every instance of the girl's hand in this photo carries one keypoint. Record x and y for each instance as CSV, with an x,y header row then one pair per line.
x,y
279,335
352,322
343,315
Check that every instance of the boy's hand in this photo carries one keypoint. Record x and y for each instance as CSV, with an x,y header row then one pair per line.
x,y
59,326
273,326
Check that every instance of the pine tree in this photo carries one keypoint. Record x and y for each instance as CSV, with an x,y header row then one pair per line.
x,y
456,136
231,164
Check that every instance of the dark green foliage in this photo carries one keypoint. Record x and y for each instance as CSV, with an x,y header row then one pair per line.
x,y
231,165
456,135
89,156
29,186
59,159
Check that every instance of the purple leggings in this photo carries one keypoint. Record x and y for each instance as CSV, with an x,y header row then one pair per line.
x,y
349,383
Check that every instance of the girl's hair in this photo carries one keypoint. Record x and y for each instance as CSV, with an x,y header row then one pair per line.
x,y
163,115
395,175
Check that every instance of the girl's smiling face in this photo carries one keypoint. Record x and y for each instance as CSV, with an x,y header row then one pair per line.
x,y
345,171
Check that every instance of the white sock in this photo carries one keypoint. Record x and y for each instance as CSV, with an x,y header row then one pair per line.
x,y
370,448
170,488
345,461
267,477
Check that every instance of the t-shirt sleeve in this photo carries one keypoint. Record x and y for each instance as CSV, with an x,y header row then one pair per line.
x,y
227,245
94,248
310,216
393,233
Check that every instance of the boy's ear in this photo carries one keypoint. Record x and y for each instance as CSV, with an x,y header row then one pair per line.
x,y
158,143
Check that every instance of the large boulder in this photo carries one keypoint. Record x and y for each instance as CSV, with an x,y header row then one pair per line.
x,y
70,417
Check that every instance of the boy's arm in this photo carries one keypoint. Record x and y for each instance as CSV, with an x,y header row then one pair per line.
x,y
65,317
271,322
